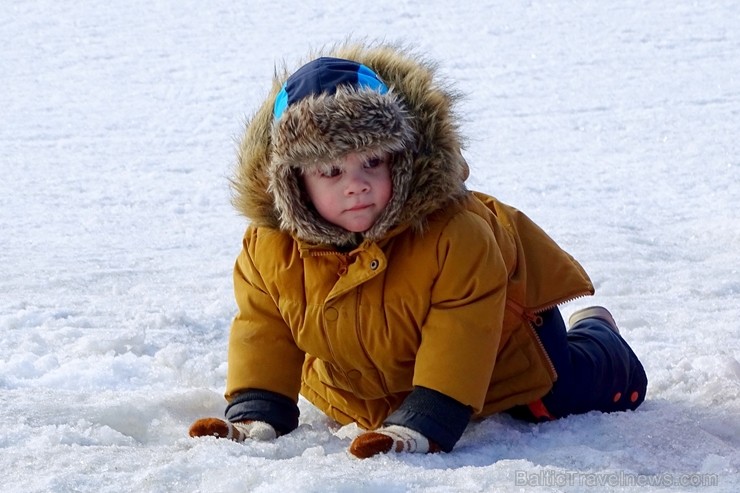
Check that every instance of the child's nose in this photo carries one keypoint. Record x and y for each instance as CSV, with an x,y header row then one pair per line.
x,y
356,183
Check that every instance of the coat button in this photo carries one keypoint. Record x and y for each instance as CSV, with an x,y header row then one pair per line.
x,y
374,264
354,374
331,314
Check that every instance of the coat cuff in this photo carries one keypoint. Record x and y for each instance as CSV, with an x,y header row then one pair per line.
x,y
263,405
438,417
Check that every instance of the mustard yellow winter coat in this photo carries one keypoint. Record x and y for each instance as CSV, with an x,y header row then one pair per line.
x,y
441,294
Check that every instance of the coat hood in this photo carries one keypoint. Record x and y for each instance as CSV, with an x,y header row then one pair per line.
x,y
410,117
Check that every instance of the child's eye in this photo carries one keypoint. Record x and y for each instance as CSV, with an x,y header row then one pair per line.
x,y
331,172
374,162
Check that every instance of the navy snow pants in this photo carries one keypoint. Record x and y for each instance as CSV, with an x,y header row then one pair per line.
x,y
597,370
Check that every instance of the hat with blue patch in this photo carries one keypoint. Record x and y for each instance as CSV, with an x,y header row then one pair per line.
x,y
324,75
330,107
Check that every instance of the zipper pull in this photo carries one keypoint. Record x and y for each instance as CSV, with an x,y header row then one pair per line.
x,y
533,318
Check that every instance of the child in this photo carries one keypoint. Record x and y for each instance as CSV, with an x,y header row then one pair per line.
x,y
375,285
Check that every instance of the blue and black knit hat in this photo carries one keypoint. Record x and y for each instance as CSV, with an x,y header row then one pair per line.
x,y
324,75
332,106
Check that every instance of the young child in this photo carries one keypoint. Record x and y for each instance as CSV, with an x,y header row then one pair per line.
x,y
373,283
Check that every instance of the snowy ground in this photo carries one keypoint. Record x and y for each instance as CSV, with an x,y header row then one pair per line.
x,y
615,125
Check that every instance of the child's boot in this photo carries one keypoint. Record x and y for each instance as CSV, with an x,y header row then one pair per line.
x,y
594,312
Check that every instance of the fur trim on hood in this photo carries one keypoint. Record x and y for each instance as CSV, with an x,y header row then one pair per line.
x,y
413,121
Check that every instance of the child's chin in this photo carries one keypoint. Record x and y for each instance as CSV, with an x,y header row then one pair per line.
x,y
358,225
357,228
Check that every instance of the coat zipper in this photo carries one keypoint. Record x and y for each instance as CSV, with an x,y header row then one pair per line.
x,y
534,321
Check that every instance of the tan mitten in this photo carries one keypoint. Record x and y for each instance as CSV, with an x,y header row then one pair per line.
x,y
240,431
394,438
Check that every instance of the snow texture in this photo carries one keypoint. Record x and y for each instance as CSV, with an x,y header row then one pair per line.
x,y
613,124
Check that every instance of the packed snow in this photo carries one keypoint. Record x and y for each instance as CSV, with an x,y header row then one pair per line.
x,y
615,125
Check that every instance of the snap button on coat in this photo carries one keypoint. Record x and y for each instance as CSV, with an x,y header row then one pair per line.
x,y
331,314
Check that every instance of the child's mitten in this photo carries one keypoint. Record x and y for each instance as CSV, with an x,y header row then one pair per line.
x,y
391,438
239,431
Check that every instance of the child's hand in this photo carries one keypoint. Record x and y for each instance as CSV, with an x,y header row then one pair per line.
x,y
391,438
240,431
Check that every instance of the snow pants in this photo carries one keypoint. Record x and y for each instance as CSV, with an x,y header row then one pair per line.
x,y
597,370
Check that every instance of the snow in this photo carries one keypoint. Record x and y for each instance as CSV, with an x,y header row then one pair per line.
x,y
613,124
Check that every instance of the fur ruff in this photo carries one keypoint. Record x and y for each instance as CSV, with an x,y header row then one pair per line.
x,y
413,121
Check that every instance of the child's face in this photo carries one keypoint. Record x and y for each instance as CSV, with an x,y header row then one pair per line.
x,y
351,192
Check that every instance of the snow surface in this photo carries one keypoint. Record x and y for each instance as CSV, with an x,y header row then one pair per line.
x,y
613,124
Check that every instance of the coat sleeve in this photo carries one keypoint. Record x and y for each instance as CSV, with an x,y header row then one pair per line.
x,y
262,351
461,335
